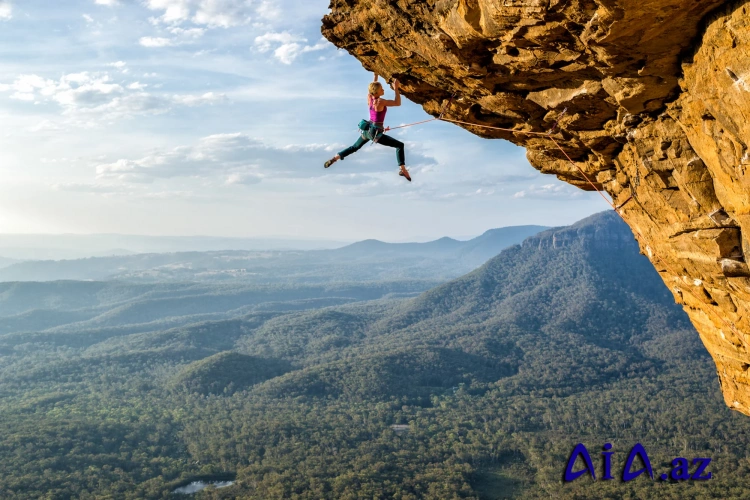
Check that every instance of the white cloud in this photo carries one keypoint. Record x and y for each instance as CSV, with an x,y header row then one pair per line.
x,y
88,18
289,46
22,96
550,191
6,10
108,3
196,100
269,10
235,158
265,42
180,36
188,33
150,41
244,178
82,90
211,13
91,96
203,52
26,84
121,65
125,106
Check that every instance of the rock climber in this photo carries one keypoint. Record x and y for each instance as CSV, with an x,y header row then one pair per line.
x,y
373,130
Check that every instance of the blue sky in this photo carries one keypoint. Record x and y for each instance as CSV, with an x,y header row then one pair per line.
x,y
213,117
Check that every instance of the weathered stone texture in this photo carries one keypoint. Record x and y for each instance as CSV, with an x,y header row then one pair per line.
x,y
657,100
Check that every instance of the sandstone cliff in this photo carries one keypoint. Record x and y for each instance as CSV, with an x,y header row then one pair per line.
x,y
657,94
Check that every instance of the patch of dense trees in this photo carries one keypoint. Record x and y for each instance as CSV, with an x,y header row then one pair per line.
x,y
226,373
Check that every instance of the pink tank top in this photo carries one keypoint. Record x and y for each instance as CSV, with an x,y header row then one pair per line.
x,y
375,115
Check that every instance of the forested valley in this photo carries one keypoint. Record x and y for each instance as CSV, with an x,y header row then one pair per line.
x,y
404,388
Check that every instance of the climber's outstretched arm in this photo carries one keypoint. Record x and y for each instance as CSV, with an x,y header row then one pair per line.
x,y
391,102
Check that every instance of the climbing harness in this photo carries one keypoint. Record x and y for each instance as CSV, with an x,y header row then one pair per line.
x,y
368,130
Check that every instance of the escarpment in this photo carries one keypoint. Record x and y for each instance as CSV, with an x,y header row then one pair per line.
x,y
651,101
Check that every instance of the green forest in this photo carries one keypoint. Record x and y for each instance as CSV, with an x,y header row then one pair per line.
x,y
478,388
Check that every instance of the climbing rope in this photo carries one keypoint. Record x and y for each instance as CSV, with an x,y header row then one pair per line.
x,y
525,132
439,117
410,124
616,208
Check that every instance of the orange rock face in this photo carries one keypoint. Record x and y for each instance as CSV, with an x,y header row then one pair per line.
x,y
657,100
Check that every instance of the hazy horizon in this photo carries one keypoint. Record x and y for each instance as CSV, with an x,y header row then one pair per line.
x,y
65,246
415,239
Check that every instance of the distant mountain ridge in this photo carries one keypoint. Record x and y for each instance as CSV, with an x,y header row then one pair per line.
x,y
368,260
361,248
5,262
477,250
78,246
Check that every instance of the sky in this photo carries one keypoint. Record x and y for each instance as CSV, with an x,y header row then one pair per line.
x,y
214,117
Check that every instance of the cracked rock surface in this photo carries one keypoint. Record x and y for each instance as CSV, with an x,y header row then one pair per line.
x,y
656,96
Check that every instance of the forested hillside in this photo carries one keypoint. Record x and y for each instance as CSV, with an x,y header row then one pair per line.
x,y
478,388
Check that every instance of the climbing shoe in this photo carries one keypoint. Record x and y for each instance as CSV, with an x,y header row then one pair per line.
x,y
330,162
405,173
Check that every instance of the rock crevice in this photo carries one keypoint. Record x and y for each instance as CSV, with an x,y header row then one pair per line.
x,y
657,100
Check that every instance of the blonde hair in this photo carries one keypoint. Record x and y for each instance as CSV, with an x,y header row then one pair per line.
x,y
374,87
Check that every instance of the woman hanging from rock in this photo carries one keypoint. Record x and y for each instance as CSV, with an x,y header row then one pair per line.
x,y
373,130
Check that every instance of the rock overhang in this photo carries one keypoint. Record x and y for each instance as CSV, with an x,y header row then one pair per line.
x,y
657,100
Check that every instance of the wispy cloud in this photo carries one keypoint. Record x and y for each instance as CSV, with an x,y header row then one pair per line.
x,y
270,10
180,36
156,41
6,10
96,95
265,42
239,159
244,178
211,13
120,65
236,158
550,191
288,46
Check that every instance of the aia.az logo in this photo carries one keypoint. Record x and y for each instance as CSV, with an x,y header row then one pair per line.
x,y
680,466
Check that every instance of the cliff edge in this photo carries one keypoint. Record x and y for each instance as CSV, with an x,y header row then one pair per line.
x,y
657,100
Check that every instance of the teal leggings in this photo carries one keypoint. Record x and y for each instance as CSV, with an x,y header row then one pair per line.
x,y
385,140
